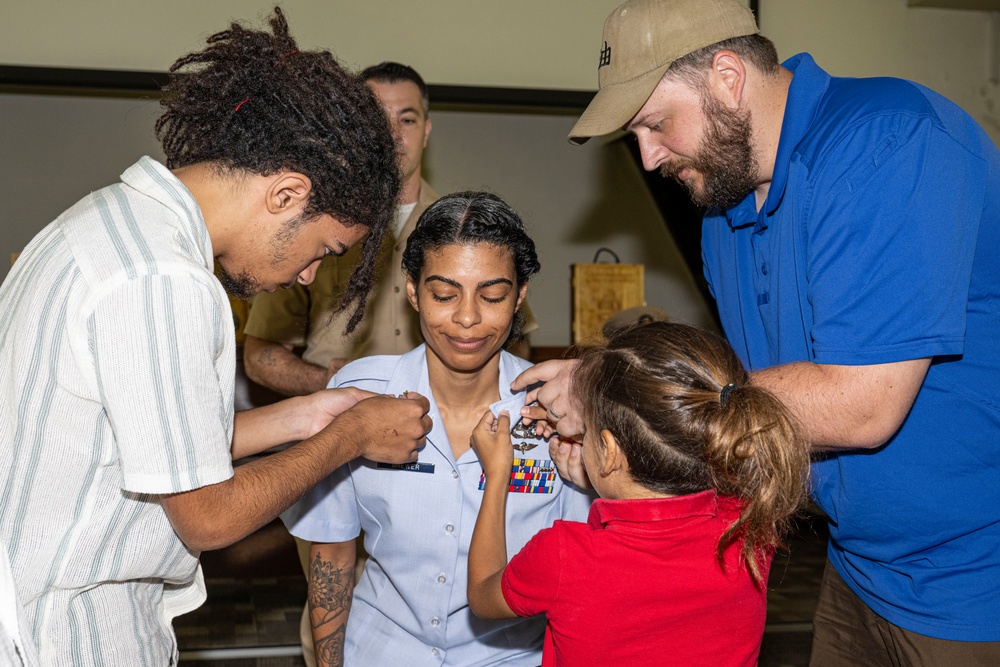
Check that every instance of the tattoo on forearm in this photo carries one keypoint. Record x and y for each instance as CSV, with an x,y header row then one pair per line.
x,y
330,649
330,591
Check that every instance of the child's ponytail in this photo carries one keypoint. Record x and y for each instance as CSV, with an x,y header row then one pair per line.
x,y
687,419
756,454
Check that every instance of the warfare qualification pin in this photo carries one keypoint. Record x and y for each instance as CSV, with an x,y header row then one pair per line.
x,y
522,431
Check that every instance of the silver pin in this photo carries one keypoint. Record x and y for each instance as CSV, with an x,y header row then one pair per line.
x,y
522,431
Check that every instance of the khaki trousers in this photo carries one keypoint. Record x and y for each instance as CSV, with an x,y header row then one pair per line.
x,y
846,633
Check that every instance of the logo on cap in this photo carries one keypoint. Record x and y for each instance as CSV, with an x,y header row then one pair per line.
x,y
605,56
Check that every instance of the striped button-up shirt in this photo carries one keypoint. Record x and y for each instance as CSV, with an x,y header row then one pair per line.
x,y
117,363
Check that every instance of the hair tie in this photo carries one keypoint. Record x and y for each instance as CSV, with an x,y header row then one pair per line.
x,y
725,393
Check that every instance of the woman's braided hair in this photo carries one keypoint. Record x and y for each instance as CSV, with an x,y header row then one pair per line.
x,y
251,101
469,218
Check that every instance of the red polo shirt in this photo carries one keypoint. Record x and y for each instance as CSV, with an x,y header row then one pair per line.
x,y
640,584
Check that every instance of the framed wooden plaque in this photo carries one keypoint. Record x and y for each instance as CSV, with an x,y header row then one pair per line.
x,y
600,291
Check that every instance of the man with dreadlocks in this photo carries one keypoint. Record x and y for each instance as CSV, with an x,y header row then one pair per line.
x,y
117,349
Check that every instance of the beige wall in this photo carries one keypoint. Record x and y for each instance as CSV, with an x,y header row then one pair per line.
x,y
516,43
948,50
521,43
524,43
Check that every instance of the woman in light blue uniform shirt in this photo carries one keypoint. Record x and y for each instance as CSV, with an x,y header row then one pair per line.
x,y
467,262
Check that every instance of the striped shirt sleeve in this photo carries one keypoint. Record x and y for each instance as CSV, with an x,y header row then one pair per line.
x,y
154,340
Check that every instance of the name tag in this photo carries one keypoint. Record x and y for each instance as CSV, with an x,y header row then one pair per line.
x,y
409,467
528,476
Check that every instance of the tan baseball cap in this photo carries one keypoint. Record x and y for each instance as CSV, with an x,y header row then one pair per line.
x,y
641,39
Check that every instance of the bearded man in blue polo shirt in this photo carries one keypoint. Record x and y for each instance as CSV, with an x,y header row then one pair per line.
x,y
851,241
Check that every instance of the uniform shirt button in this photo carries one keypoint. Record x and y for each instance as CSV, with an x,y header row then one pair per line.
x,y
763,269
397,332
435,652
396,289
450,528
442,579
435,622
454,474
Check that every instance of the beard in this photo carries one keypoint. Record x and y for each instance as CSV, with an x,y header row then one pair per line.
x,y
242,286
245,286
724,159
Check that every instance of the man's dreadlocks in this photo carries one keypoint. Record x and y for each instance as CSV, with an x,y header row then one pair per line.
x,y
251,101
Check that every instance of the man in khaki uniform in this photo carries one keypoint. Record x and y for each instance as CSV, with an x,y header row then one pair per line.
x,y
303,315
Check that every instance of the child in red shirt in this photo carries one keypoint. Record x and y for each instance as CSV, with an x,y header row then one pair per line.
x,y
698,473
